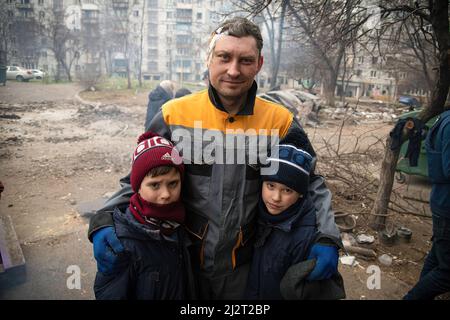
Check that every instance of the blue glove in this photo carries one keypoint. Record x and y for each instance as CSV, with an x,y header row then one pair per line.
x,y
108,251
327,257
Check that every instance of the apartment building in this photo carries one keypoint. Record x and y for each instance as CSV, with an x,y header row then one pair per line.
x,y
162,39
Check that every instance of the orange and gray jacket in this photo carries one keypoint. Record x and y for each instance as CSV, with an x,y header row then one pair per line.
x,y
221,190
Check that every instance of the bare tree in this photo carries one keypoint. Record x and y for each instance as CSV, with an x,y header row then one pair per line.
x,y
21,31
121,34
270,16
434,13
6,26
141,44
330,28
327,27
65,43
409,48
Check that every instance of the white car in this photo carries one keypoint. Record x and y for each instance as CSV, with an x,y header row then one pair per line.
x,y
18,73
38,74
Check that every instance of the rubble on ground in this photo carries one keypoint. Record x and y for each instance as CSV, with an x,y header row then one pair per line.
x,y
313,111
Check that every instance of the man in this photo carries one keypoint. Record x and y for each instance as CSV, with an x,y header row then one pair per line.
x,y
156,98
435,276
221,198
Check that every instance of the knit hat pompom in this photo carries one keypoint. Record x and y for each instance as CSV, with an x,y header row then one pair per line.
x,y
294,168
146,135
153,151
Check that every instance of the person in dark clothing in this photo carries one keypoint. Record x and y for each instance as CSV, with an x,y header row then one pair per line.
x,y
156,98
287,228
182,92
435,276
150,230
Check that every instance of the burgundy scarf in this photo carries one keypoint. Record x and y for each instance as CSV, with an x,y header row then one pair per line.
x,y
142,209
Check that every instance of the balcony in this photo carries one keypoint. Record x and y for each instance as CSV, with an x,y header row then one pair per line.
x,y
120,4
184,70
89,20
183,32
185,19
24,6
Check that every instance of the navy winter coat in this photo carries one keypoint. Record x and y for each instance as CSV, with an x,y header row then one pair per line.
x,y
159,266
438,155
277,247
156,99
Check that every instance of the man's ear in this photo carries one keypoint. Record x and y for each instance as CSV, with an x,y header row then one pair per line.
x,y
260,62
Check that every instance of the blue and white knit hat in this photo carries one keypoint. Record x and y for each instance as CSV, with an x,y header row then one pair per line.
x,y
294,167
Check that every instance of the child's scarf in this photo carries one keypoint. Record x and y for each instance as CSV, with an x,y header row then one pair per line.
x,y
154,214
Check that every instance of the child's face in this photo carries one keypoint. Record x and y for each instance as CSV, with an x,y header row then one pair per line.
x,y
277,197
163,189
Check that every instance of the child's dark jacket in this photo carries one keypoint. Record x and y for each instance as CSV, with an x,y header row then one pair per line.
x,y
159,266
281,252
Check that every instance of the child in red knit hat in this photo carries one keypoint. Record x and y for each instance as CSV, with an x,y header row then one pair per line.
x,y
151,229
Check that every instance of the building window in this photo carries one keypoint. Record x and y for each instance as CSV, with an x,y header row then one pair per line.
x,y
153,3
152,66
360,59
89,14
10,13
169,15
183,26
153,16
181,39
184,14
183,63
373,74
152,27
374,60
199,16
152,41
153,53
359,72
44,54
120,12
41,14
26,13
41,2
136,13
183,51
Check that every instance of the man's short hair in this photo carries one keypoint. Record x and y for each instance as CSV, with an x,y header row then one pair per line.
x,y
237,27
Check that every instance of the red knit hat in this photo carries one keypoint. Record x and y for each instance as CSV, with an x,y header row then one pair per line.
x,y
153,151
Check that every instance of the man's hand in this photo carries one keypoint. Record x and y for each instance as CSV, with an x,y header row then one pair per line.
x,y
327,257
108,251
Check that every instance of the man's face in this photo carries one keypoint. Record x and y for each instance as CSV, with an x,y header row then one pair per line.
x,y
233,65
163,189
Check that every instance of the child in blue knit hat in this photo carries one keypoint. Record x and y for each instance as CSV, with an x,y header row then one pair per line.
x,y
286,231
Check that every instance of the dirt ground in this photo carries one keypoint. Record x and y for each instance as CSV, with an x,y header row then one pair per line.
x,y
57,151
